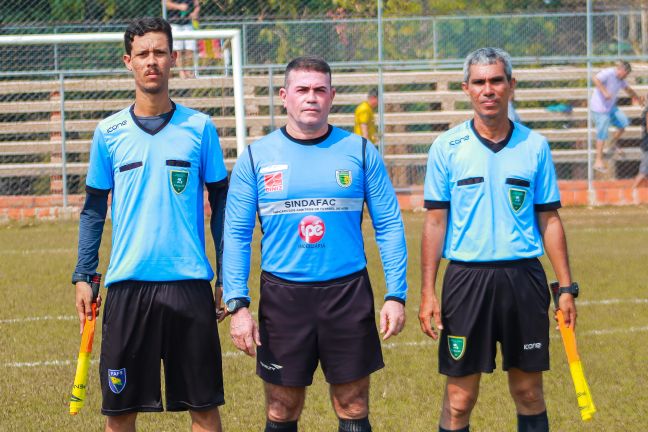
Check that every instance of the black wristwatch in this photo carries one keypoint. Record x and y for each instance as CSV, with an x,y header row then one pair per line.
x,y
81,277
571,289
233,305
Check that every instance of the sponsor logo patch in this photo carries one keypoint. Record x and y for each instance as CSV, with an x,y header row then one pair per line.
x,y
273,182
311,229
532,346
457,346
516,198
117,380
343,178
459,140
179,180
116,126
271,366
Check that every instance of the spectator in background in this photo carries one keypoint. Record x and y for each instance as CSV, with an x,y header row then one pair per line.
x,y
643,166
604,108
181,14
364,117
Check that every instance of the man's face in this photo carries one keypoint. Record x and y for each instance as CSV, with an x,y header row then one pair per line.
x,y
151,62
621,72
489,90
373,101
307,97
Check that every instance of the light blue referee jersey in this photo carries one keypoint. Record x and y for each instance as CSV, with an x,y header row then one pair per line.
x,y
157,193
492,192
309,197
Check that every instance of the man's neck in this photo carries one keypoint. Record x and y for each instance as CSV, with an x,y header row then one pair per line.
x,y
493,129
306,133
148,105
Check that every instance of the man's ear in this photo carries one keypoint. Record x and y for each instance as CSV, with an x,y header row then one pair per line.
x,y
127,62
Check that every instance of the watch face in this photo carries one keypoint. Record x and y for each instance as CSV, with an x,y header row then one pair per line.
x,y
232,305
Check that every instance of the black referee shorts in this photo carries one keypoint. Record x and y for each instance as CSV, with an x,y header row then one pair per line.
x,y
146,323
332,322
486,303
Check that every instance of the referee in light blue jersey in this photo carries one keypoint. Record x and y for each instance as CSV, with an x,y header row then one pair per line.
x,y
155,158
492,200
308,183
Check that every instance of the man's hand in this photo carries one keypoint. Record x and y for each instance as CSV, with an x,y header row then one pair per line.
x,y
430,311
392,318
245,332
567,305
221,312
83,303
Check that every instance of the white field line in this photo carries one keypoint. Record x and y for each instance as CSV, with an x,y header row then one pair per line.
x,y
388,346
605,302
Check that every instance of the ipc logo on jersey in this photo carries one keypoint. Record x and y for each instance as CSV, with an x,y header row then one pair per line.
x,y
117,380
311,229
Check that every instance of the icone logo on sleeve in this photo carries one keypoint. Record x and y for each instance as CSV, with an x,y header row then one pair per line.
x,y
311,229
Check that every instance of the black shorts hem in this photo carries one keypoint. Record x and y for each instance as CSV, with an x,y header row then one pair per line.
x,y
532,368
114,413
458,374
282,383
183,406
355,377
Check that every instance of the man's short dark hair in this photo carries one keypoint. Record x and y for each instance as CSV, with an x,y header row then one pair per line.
x,y
141,26
307,63
625,65
373,92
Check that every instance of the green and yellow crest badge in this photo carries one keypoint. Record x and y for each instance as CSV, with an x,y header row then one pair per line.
x,y
343,178
179,180
456,346
516,198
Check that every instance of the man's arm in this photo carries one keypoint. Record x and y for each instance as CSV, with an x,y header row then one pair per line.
x,y
240,215
217,195
364,128
434,231
390,237
176,6
634,95
599,85
91,224
555,243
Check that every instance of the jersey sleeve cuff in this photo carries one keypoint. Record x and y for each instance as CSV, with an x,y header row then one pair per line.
x,y
396,299
95,191
240,294
547,206
430,204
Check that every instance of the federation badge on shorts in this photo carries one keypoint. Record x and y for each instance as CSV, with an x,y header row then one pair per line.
x,y
516,198
117,380
343,178
179,180
457,346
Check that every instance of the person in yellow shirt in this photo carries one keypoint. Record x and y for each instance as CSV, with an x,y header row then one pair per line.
x,y
364,117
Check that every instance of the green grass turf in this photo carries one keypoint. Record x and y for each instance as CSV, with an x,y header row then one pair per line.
x,y
609,256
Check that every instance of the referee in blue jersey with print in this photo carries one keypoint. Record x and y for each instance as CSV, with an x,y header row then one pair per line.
x,y
492,201
308,182
155,158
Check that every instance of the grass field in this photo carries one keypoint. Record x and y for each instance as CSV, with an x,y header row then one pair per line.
x,y
609,256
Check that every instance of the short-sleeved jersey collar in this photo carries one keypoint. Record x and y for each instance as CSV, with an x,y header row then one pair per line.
x,y
493,146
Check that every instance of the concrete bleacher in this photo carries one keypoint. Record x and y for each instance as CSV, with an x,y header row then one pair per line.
x,y
419,106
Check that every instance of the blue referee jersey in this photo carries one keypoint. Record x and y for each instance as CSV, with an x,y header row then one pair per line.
x,y
157,193
309,196
492,192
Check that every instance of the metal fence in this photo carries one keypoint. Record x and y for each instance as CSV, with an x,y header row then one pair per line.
x,y
377,49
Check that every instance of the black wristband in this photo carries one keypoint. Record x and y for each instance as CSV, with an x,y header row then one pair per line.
x,y
81,277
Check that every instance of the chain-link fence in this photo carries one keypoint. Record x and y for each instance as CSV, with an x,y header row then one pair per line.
x,y
53,91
